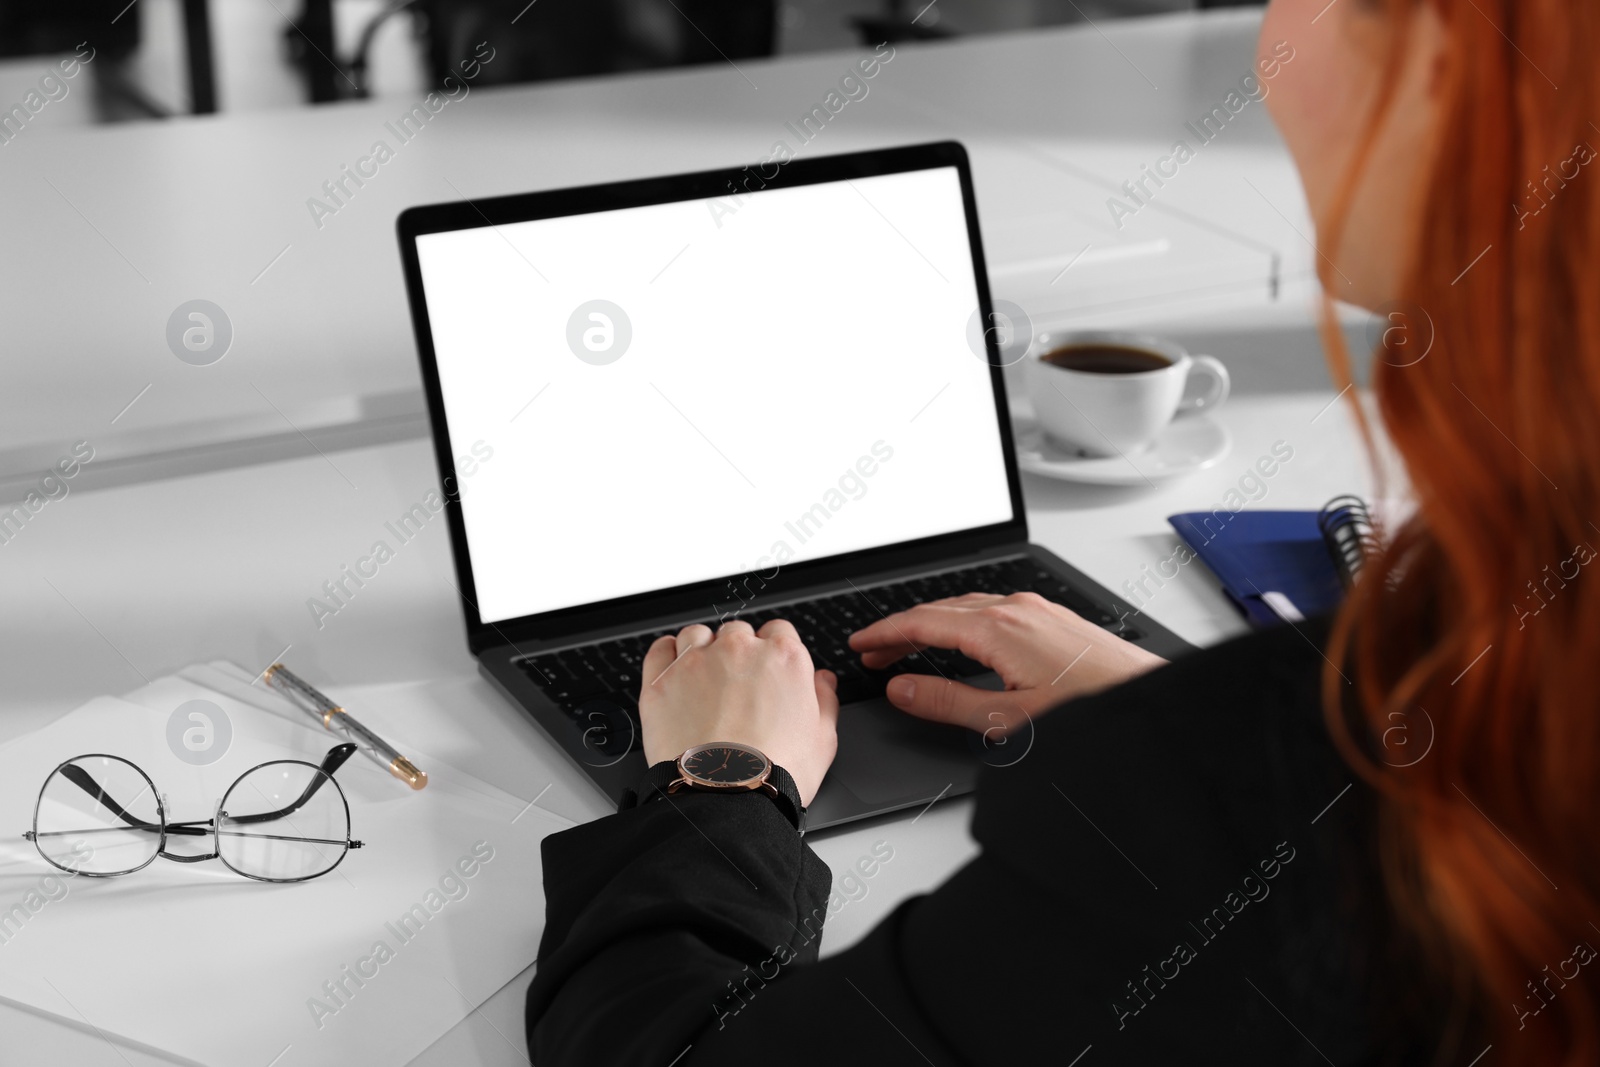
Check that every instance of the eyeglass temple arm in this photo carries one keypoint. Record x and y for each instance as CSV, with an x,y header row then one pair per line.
x,y
85,781
336,757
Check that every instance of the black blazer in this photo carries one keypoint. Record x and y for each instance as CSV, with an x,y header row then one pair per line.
x,y
1181,870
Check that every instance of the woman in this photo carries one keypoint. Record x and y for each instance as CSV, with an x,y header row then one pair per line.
x,y
1371,839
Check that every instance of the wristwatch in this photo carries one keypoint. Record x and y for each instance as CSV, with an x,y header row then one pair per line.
x,y
723,767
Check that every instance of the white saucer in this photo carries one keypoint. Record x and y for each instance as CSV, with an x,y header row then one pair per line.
x,y
1189,443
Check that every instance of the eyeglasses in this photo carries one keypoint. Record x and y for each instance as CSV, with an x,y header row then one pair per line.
x,y
282,821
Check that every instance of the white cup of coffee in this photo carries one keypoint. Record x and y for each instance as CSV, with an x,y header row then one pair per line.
x,y
1107,393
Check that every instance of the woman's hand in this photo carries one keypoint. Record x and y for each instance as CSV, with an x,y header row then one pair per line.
x,y
1044,652
737,685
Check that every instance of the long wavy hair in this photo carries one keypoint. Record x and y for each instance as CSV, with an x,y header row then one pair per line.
x,y
1472,642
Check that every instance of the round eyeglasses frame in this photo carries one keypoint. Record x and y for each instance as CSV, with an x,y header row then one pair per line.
x,y
335,758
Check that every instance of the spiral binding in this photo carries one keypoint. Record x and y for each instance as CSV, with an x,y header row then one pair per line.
x,y
1348,530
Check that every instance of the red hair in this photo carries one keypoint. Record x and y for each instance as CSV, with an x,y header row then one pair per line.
x,y
1475,630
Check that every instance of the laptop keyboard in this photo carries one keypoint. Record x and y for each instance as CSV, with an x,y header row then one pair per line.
x,y
593,682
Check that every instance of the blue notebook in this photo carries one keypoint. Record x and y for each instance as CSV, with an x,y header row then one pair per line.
x,y
1283,552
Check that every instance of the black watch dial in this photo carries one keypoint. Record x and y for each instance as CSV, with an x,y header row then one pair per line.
x,y
724,764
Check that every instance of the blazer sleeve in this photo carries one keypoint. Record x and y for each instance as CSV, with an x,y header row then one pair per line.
x,y
656,914
685,932
1158,878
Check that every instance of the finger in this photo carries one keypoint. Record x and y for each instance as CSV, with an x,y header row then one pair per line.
x,y
924,626
735,627
901,629
1007,710
663,651
778,628
878,659
827,684
692,636
940,700
970,599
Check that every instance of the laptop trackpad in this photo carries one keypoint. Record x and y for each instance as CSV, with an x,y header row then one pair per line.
x,y
888,757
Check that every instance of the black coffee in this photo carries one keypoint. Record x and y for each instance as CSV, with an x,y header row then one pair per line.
x,y
1106,359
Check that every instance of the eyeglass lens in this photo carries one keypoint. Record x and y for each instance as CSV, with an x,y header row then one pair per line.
x,y
283,821
98,815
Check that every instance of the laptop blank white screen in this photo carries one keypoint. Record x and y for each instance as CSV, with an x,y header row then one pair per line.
x,y
795,381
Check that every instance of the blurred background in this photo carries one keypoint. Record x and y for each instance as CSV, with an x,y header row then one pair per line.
x,y
157,58
193,150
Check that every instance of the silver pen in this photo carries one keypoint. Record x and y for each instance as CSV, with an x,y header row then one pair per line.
x,y
335,718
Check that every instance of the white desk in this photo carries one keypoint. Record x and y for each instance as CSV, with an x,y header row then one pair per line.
x,y
185,569
140,579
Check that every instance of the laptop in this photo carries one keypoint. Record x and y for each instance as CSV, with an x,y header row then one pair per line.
x,y
752,393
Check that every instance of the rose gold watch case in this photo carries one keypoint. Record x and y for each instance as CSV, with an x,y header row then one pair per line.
x,y
688,780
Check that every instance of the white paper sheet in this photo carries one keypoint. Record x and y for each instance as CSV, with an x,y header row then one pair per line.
x,y
462,719
369,963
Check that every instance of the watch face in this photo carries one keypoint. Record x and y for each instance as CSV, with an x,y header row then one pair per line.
x,y
724,764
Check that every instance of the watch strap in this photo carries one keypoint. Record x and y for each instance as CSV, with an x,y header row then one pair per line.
x,y
787,796
655,781
652,784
